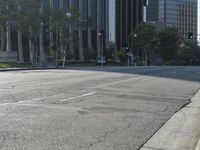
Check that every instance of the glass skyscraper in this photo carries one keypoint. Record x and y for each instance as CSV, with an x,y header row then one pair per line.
x,y
181,14
129,13
114,19
152,10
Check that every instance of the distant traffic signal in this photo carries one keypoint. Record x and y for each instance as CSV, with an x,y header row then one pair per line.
x,y
128,49
190,35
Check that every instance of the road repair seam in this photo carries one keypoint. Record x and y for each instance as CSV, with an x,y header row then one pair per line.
x,y
181,132
77,97
152,148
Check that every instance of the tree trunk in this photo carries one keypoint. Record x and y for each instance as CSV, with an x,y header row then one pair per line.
x,y
98,29
56,48
2,38
8,38
61,41
80,46
64,59
51,44
146,58
71,45
31,51
80,34
41,41
62,52
41,47
89,24
20,48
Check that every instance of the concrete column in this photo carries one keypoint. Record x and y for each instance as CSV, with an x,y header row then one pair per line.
x,y
60,34
107,30
71,32
51,33
8,37
98,28
121,23
90,25
41,40
20,47
80,33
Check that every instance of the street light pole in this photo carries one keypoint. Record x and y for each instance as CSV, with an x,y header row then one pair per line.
x,y
68,15
130,46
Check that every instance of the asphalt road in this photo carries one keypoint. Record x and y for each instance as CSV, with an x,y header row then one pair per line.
x,y
117,108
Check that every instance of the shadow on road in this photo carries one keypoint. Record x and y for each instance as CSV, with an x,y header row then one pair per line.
x,y
189,73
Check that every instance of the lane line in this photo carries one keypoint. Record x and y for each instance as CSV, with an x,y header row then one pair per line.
x,y
77,97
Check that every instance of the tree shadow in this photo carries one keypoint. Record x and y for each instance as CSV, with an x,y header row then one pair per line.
x,y
188,73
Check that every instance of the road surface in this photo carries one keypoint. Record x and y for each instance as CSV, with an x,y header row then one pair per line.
x,y
115,108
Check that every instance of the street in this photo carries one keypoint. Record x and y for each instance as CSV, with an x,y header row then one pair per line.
x,y
111,108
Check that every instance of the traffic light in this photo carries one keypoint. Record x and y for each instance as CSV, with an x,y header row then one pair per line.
x,y
190,35
128,49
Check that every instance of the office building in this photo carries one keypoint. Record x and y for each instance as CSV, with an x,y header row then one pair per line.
x,y
152,11
181,14
108,25
129,13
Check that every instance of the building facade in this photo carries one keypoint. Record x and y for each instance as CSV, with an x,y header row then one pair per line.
x,y
129,13
100,15
113,19
187,19
152,10
108,24
181,14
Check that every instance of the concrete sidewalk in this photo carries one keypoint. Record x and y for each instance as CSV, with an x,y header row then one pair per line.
x,y
181,132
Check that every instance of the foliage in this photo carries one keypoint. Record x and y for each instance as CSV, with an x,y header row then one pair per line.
x,y
146,36
189,54
29,19
122,55
13,65
89,54
169,44
6,16
146,40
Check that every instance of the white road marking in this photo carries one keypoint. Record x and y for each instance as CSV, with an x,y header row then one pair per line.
x,y
76,97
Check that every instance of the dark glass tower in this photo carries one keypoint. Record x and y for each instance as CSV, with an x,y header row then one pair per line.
x,y
108,23
129,13
152,10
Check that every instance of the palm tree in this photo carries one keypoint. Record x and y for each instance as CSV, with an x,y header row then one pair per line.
x,y
8,34
20,47
41,36
89,24
98,27
80,34
50,28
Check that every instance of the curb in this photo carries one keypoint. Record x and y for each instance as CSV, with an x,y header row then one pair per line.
x,y
181,131
198,146
14,69
23,69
